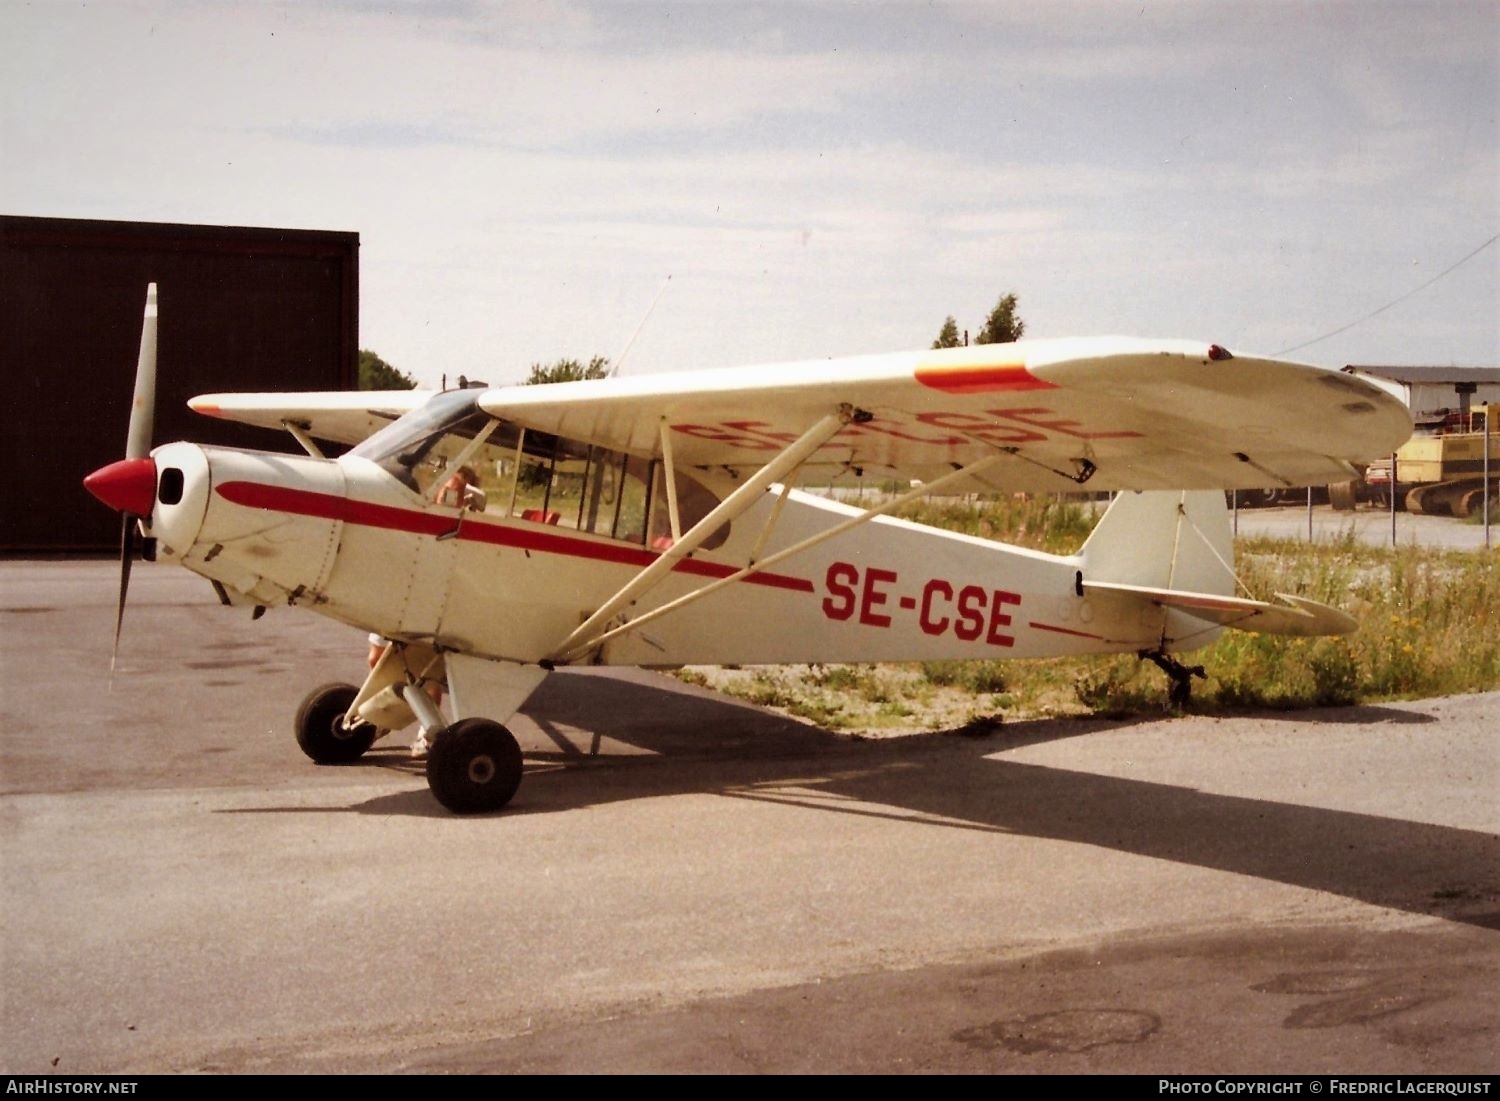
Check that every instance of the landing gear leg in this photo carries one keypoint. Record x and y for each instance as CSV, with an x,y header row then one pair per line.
x,y
1179,674
473,765
429,718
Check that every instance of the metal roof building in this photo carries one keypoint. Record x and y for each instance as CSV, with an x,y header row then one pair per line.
x,y
1432,392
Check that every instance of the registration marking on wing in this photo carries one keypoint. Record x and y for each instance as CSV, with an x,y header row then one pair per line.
x,y
1027,424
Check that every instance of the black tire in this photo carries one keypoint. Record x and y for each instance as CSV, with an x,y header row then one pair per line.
x,y
321,732
474,766
1344,496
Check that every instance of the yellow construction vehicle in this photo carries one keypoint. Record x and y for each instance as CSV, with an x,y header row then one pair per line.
x,y
1440,472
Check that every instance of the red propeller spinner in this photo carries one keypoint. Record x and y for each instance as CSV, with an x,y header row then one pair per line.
x,y
128,485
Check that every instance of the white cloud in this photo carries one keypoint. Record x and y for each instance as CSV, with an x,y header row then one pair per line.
x,y
524,180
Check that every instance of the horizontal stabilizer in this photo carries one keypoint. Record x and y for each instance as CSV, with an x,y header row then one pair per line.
x,y
1298,616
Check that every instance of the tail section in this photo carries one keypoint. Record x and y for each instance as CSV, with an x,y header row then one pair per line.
x,y
1164,540
1176,551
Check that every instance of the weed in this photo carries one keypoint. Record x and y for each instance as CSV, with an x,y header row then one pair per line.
x,y
974,676
1043,522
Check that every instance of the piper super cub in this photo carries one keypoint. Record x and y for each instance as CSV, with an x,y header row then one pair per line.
x,y
654,521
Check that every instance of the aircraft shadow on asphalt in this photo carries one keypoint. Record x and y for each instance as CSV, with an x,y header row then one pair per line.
x,y
598,737
1359,715
696,742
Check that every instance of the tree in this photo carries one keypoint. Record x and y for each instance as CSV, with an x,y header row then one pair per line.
x,y
948,335
1003,325
568,370
376,374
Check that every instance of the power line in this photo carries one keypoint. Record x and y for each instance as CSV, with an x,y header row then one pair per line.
x,y
1393,302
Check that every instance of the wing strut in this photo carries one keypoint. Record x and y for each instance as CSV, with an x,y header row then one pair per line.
x,y
515,482
299,433
571,648
732,506
675,524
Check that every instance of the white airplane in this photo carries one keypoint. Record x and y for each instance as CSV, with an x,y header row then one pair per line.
x,y
653,521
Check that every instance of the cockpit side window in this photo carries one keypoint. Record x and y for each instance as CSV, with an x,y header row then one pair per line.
x,y
536,476
606,492
694,502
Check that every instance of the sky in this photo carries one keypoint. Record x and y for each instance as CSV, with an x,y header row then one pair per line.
x,y
703,184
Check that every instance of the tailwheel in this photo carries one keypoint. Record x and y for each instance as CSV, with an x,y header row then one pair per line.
x,y
1179,674
320,726
474,766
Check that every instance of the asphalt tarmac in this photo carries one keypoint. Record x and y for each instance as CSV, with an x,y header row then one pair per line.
x,y
687,883
1369,525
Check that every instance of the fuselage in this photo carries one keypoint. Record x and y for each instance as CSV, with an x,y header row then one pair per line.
x,y
346,539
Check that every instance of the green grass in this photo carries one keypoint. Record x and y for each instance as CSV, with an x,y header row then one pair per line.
x,y
1041,522
1429,625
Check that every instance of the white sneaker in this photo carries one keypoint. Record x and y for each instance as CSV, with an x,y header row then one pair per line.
x,y
419,747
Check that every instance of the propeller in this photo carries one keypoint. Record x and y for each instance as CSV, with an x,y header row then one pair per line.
x,y
143,400
129,529
130,484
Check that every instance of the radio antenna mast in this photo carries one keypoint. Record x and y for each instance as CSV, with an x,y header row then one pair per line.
x,y
615,369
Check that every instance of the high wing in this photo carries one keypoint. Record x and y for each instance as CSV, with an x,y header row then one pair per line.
x,y
345,416
1113,413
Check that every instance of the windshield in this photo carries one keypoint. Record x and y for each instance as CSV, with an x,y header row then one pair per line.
x,y
417,448
418,439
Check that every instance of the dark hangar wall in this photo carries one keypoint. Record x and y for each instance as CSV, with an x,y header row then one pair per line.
x,y
240,309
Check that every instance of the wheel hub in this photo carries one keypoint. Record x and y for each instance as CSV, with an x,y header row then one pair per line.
x,y
482,768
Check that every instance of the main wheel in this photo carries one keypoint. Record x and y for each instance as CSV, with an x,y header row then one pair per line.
x,y
320,726
473,766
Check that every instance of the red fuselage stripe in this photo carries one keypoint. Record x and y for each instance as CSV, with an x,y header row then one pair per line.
x,y
1065,631
327,506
